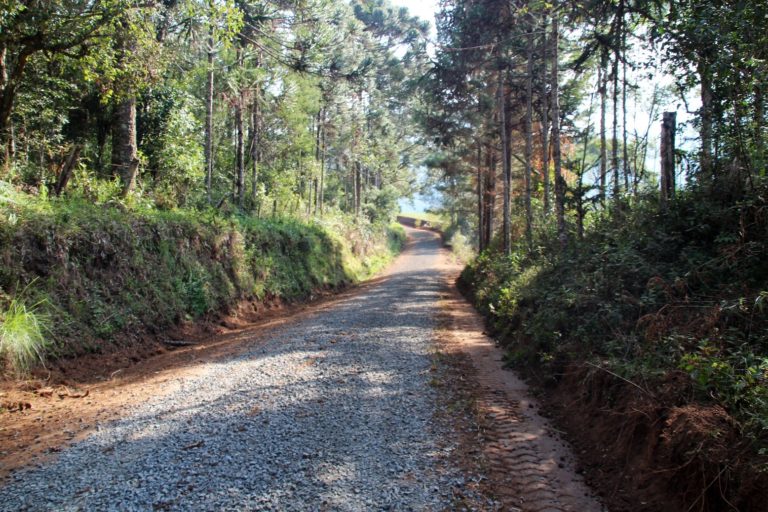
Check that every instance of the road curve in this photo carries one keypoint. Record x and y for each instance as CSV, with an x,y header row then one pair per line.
x,y
332,412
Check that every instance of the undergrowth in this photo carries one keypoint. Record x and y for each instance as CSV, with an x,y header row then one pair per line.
x,y
23,335
645,294
99,273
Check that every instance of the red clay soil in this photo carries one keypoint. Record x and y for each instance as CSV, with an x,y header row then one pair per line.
x,y
653,449
529,466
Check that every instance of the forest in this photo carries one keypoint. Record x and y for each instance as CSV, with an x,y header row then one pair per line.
x,y
624,271
600,166
158,99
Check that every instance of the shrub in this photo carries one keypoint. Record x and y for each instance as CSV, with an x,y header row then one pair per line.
x,y
23,332
461,247
648,293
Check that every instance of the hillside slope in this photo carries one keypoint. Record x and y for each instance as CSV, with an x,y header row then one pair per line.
x,y
651,332
99,277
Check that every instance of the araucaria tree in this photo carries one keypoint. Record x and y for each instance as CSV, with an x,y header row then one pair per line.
x,y
261,107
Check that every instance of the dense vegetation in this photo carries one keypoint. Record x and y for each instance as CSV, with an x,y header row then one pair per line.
x,y
161,160
683,290
590,259
85,275
268,107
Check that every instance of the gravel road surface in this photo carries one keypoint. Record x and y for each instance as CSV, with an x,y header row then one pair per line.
x,y
334,412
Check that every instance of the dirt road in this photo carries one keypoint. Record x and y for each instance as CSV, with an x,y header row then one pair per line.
x,y
340,407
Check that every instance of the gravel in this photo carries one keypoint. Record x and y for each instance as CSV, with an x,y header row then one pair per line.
x,y
335,412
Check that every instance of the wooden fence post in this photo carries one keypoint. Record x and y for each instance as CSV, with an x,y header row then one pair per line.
x,y
668,128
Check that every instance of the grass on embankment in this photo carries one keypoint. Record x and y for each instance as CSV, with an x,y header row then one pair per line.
x,y
655,317
74,276
432,219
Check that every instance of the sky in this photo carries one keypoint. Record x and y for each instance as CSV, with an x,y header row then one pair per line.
x,y
424,9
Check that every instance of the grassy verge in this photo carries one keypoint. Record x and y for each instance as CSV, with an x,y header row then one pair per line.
x,y
74,276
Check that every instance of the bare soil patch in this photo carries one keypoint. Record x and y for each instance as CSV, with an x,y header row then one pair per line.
x,y
529,466
657,450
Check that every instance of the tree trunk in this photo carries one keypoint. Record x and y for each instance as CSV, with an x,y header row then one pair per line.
x,y
239,141
581,211
529,140
624,148
556,152
124,149
317,134
603,80
318,155
311,186
239,154
66,169
480,205
348,188
322,163
506,162
5,112
25,137
9,83
758,122
358,188
707,100
490,193
255,145
545,150
615,142
125,160
208,150
668,127
316,184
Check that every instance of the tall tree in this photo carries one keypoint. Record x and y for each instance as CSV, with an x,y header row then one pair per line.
x,y
38,29
529,136
556,147
125,161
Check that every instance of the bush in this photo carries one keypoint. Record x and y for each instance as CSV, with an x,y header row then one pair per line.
x,y
23,333
461,247
648,293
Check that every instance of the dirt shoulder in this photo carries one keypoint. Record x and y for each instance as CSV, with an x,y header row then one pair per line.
x,y
529,466
641,446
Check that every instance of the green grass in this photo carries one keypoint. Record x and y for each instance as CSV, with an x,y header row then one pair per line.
x,y
109,269
23,340
432,218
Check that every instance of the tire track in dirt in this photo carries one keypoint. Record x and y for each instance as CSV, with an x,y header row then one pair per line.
x,y
530,468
